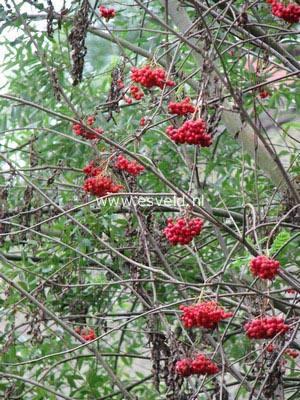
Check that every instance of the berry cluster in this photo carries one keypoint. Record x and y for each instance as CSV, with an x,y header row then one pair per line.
x,y
200,366
191,132
263,93
136,93
182,231
125,165
290,352
264,267
90,336
206,315
79,131
142,121
107,13
181,108
149,78
266,328
98,184
92,169
290,14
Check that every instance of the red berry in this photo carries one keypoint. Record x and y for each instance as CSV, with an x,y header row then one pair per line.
x,y
205,315
107,13
200,366
290,13
263,94
125,165
79,131
98,184
181,108
292,353
270,348
149,78
182,232
264,267
191,132
266,328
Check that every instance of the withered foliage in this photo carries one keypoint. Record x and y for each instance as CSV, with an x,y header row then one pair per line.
x,y
50,17
77,41
114,94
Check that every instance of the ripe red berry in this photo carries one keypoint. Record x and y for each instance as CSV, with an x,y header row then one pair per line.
x,y
136,93
200,366
125,165
205,315
98,184
181,108
290,352
142,121
184,367
91,169
77,330
263,93
90,336
149,78
107,13
270,348
290,13
191,132
79,131
183,231
291,291
264,267
266,328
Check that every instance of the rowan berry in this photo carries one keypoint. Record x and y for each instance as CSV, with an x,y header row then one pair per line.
x,y
266,328
290,13
199,366
181,108
264,267
191,132
107,13
183,231
149,78
125,165
205,315
100,185
136,93
290,352
79,131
